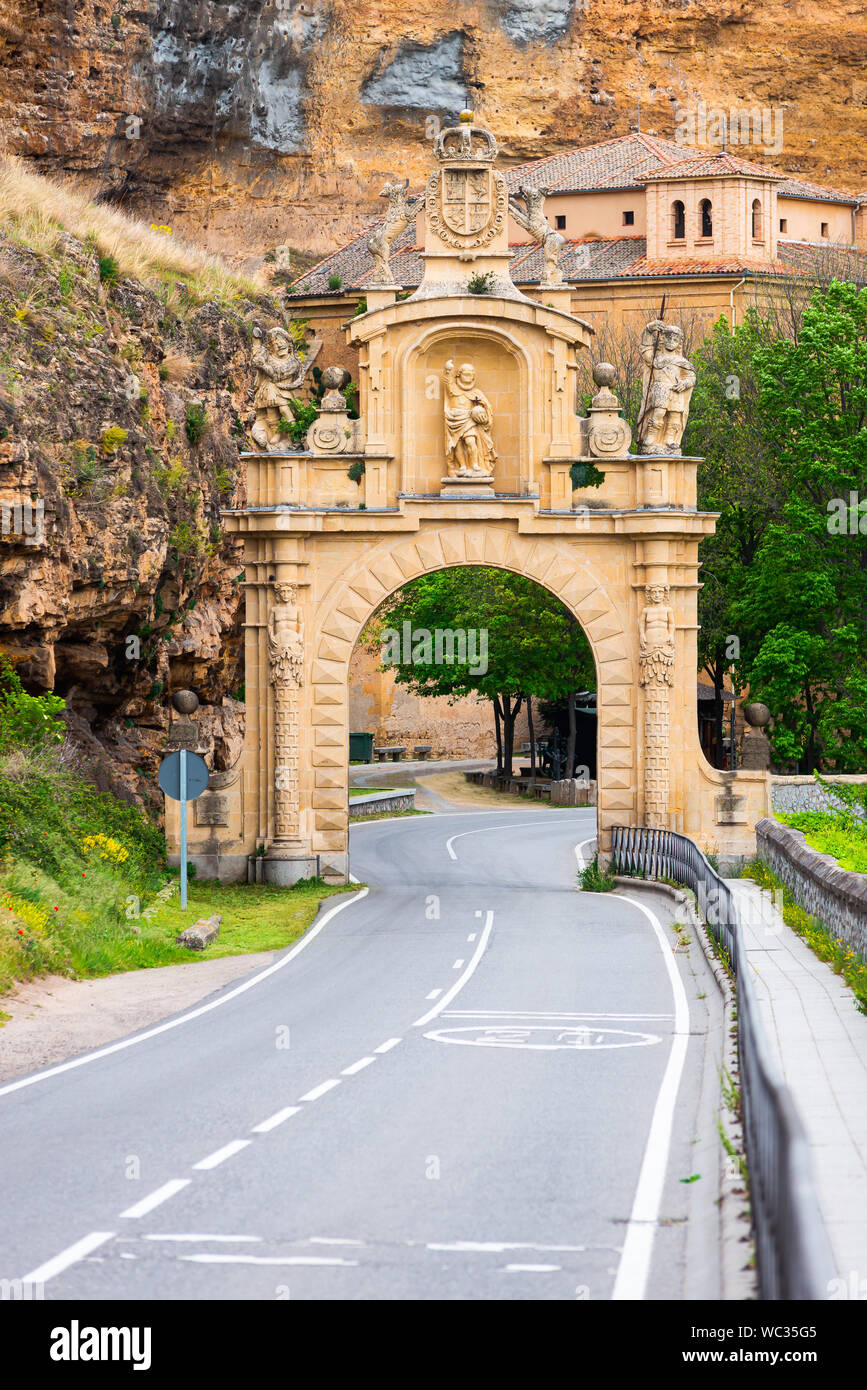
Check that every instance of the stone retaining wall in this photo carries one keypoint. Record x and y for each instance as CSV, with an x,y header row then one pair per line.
x,y
816,881
375,803
792,794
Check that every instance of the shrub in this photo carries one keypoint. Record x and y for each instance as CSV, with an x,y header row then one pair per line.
x,y
113,439
481,284
109,270
595,880
356,470
30,721
197,419
335,282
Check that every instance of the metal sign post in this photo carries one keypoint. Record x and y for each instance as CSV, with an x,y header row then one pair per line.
x,y
183,776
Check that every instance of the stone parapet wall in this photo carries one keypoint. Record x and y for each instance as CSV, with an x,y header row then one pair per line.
x,y
790,795
816,881
377,803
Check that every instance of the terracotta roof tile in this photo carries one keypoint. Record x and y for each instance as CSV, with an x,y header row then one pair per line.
x,y
706,166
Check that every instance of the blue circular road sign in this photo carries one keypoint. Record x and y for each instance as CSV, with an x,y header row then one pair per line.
x,y
170,775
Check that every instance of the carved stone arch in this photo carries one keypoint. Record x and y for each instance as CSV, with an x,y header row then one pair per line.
x,y
554,565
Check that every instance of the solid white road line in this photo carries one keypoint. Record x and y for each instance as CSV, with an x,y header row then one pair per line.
x,y
357,1066
70,1256
498,1247
582,862
194,1013
530,1269
387,1046
486,828
267,1260
156,1198
333,1240
525,1013
462,979
634,1267
220,1155
274,1120
244,1240
322,1089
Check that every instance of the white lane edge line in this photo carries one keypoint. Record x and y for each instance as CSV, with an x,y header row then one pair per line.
x,y
194,1013
462,979
193,1235
155,1198
220,1155
322,1089
530,1269
485,828
388,1045
582,863
357,1066
276,1119
70,1256
634,1267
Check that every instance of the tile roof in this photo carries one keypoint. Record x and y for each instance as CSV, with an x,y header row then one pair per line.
x,y
623,162
707,166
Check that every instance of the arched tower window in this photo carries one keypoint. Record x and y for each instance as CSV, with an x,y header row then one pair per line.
x,y
678,220
757,220
706,210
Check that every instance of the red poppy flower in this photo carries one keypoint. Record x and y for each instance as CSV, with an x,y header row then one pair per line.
x,y
57,909
20,931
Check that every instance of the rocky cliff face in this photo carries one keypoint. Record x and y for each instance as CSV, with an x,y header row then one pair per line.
x,y
278,120
122,409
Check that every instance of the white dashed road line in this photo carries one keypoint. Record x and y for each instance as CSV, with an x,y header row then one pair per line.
x,y
387,1046
276,1119
70,1256
155,1198
268,1260
357,1066
434,994
457,965
462,979
322,1089
220,1155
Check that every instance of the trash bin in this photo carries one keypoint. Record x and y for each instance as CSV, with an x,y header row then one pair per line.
x,y
361,748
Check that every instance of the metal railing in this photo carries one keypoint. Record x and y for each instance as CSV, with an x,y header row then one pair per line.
x,y
793,1252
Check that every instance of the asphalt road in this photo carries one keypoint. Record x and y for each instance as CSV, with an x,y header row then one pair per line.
x,y
473,1082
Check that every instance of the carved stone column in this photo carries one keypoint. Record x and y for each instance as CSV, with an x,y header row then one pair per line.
x,y
656,660
286,861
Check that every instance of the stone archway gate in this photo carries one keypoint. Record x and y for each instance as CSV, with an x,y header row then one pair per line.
x,y
462,455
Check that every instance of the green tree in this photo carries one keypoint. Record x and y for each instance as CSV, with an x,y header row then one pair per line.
x,y
804,610
534,646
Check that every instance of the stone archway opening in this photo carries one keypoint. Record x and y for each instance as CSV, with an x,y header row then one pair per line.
x,y
472,662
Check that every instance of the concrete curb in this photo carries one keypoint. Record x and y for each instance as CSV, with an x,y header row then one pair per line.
x,y
738,1281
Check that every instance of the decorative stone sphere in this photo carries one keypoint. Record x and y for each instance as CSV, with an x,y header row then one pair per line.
x,y
757,715
333,378
185,701
604,374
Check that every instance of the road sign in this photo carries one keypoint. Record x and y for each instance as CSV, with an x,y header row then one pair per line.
x,y
183,776
170,775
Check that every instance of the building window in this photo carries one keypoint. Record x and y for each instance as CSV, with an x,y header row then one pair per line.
x,y
678,221
784,226
560,221
629,218
825,231
757,220
706,211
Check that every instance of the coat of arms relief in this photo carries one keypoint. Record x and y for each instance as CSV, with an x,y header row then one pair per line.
x,y
466,201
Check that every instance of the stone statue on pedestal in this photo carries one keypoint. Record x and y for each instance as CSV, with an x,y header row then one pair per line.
x,y
399,216
280,371
468,418
668,382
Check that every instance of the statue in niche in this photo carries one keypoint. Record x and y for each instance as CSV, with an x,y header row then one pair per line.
x,y
280,371
533,220
399,216
668,382
285,637
656,637
468,418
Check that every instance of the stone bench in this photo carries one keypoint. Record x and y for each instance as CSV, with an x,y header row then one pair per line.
x,y
422,750
394,753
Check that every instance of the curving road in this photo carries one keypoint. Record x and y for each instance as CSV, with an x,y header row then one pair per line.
x,y
472,1082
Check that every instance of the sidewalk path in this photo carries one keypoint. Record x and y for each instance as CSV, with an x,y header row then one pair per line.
x,y
820,1041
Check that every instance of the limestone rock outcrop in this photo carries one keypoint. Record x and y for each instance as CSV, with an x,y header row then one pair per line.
x,y
276,121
